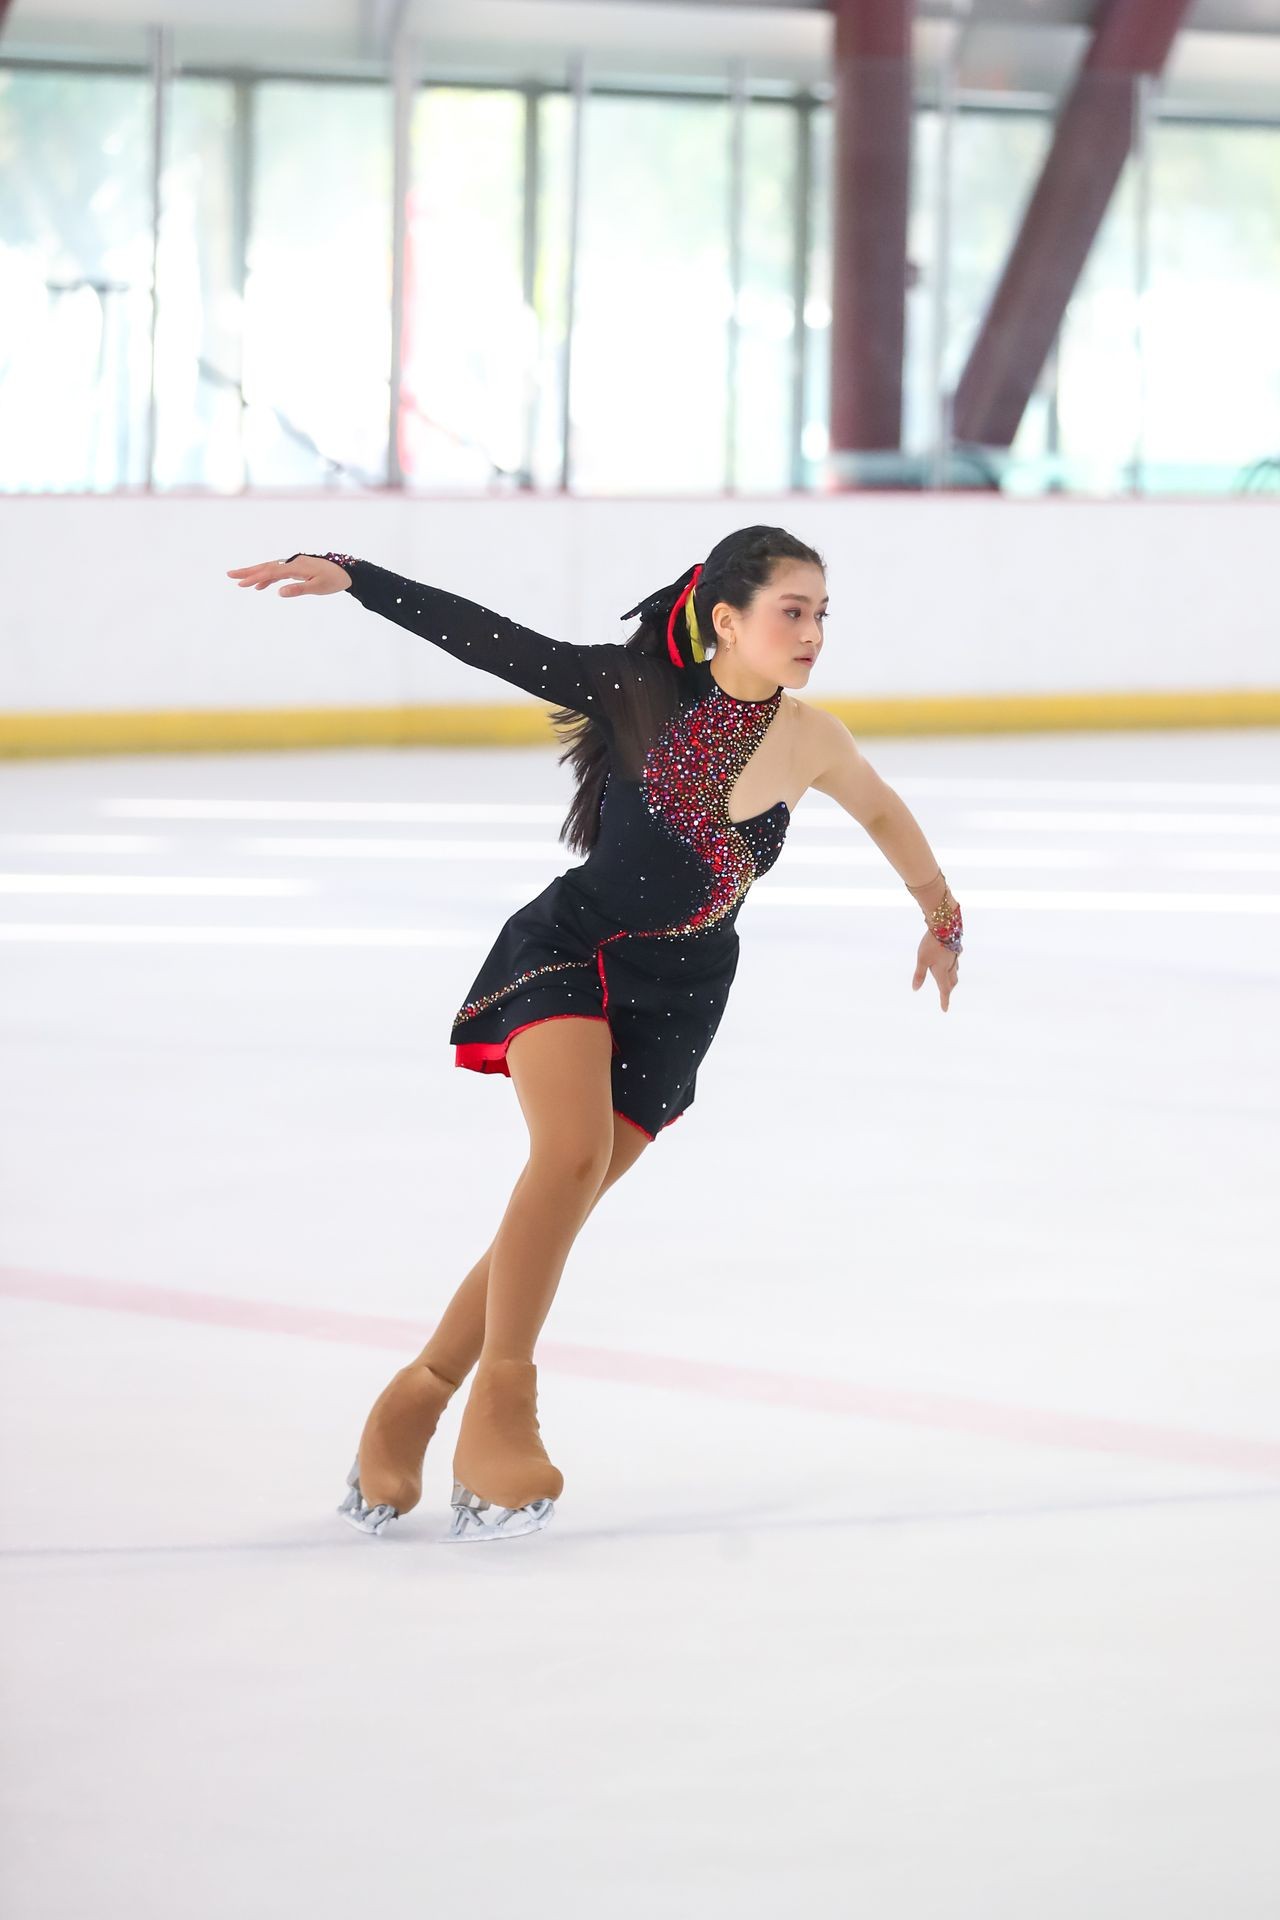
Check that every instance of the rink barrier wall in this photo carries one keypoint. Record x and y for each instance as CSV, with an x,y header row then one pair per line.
x,y
227,730
122,631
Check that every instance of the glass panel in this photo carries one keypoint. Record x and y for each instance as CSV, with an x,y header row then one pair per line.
x,y
1079,424
199,328
75,280
815,433
1212,312
317,338
649,350
284,380
1093,387
550,296
919,421
996,160
767,304
470,345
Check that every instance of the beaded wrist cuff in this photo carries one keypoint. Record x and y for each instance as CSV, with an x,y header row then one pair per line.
x,y
945,923
343,559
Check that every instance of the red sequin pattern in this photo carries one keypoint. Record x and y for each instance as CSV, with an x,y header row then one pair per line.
x,y
688,775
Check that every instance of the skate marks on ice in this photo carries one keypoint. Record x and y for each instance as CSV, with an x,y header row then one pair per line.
x,y
770,1510
737,1523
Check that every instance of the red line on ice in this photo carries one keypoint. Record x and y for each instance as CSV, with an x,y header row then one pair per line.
x,y
812,1393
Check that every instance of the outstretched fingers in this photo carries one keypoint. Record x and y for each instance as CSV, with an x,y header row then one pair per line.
x,y
267,572
305,572
259,576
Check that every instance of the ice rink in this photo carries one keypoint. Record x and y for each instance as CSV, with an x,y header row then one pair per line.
x,y
916,1393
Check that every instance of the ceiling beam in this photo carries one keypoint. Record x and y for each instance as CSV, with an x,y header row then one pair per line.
x,y
1092,140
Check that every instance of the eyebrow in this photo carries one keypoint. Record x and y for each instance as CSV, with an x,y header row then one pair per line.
x,y
807,598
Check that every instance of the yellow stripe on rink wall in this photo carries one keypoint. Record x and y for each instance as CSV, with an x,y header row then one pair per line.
x,y
223,730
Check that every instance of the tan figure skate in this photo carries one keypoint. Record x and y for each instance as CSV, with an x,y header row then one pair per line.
x,y
385,1480
504,1484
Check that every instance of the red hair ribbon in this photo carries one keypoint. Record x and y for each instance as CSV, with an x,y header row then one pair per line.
x,y
672,648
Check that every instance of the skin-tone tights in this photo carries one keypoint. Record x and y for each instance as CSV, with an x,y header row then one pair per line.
x,y
578,1148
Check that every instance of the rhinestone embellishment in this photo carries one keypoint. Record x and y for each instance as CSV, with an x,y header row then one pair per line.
x,y
688,775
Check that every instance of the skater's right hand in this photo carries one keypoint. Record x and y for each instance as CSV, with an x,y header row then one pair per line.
x,y
313,575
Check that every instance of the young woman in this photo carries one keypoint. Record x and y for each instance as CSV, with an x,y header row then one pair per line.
x,y
600,997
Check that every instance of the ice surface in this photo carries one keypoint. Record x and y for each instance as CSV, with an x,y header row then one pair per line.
x,y
915,1393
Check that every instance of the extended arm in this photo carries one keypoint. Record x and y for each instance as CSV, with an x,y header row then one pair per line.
x,y
851,780
556,670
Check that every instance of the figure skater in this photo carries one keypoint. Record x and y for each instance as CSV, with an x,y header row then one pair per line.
x,y
600,997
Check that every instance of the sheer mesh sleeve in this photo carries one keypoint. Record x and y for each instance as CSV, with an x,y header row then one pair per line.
x,y
589,679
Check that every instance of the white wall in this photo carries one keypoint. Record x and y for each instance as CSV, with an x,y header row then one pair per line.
x,y
120,602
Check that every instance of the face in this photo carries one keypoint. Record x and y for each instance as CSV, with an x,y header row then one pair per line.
x,y
781,634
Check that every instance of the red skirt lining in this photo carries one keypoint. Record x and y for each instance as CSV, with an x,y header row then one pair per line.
x,y
490,1056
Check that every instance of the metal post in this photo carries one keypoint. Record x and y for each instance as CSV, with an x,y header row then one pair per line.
x,y
531,332
242,161
402,85
578,88
948,82
1144,108
1051,383
802,228
737,167
161,45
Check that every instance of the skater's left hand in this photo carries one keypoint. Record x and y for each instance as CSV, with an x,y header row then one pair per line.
x,y
310,572
942,962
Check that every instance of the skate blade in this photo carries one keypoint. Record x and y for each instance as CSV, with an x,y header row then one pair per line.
x,y
356,1510
477,1519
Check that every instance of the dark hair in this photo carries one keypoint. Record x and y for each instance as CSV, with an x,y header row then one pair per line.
x,y
735,570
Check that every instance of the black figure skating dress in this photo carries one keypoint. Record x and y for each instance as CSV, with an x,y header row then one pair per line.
x,y
642,934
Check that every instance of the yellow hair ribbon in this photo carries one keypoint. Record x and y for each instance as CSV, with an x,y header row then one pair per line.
x,y
691,621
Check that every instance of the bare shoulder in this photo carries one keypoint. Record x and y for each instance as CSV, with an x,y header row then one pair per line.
x,y
830,760
819,738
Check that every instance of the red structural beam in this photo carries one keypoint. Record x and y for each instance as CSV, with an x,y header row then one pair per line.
x,y
869,224
1091,142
